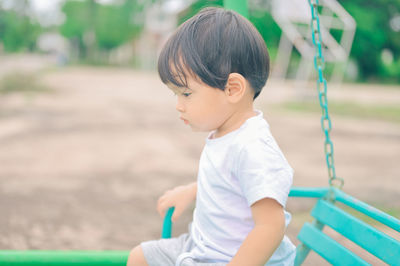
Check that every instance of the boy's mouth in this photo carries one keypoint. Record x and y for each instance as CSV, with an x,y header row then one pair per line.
x,y
185,121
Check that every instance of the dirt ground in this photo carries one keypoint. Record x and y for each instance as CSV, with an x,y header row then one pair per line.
x,y
81,167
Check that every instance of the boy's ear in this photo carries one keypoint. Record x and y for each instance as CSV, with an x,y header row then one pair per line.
x,y
236,87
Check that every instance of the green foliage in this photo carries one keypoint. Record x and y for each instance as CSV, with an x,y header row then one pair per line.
x,y
109,25
18,32
114,24
196,7
391,72
76,20
268,29
76,23
373,34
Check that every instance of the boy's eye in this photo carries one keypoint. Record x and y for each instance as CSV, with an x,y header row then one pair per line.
x,y
186,94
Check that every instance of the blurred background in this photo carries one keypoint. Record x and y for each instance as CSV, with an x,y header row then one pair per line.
x,y
89,136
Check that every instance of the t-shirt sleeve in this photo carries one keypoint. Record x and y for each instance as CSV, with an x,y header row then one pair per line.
x,y
263,172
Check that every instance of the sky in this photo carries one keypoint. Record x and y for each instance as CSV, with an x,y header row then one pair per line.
x,y
45,5
48,12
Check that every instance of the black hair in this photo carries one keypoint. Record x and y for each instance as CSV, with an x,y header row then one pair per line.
x,y
210,46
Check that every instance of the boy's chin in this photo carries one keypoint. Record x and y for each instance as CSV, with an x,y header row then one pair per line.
x,y
197,129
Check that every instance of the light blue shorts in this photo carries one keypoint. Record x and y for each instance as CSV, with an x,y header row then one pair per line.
x,y
170,252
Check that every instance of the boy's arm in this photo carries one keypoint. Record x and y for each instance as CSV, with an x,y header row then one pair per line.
x,y
266,235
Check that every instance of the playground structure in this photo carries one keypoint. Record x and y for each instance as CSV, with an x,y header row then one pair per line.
x,y
293,18
325,212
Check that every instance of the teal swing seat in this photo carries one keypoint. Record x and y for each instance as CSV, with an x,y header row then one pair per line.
x,y
326,211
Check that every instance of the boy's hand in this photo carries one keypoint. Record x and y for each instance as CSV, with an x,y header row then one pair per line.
x,y
179,197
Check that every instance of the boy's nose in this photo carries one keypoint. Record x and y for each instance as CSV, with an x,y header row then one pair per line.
x,y
179,106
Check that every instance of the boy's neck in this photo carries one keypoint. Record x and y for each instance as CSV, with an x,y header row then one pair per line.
x,y
234,122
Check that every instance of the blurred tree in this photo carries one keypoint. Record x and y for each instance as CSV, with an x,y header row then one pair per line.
x,y
18,32
373,36
196,7
90,25
77,24
118,23
268,29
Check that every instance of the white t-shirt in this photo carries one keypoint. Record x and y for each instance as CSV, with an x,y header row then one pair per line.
x,y
235,171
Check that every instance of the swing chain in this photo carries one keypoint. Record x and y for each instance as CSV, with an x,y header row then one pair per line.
x,y
319,64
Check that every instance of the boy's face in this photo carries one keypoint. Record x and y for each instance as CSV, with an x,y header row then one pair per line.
x,y
202,107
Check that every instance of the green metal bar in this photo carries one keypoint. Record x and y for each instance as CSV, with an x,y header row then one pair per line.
x,y
375,242
372,212
239,6
62,258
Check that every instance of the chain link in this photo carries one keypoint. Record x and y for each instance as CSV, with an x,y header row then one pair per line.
x,y
326,124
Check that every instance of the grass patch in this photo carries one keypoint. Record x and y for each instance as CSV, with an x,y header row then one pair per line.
x,y
368,111
21,83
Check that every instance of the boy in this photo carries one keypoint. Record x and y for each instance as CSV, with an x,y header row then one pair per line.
x,y
217,64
